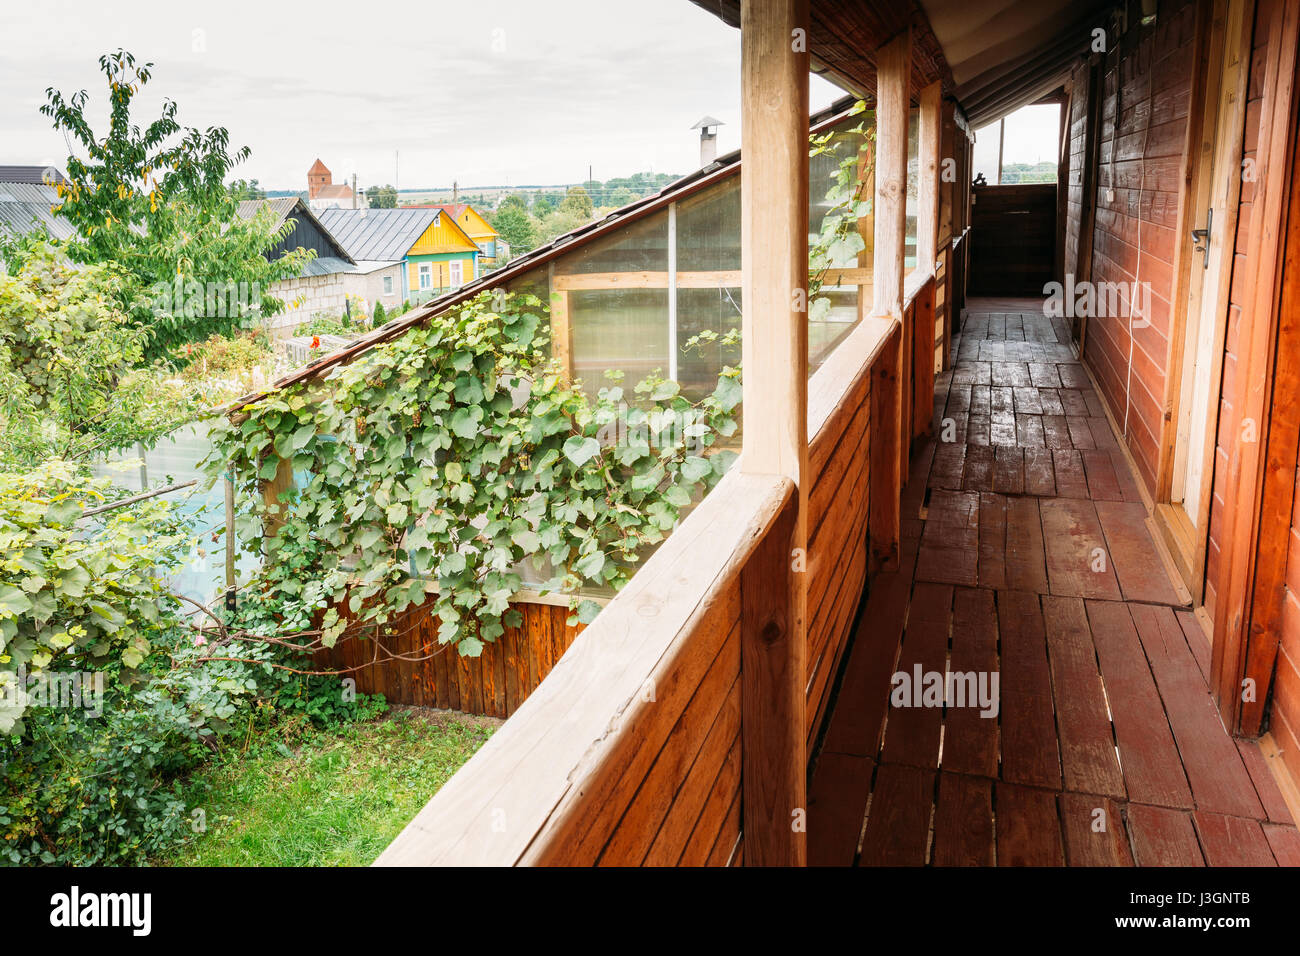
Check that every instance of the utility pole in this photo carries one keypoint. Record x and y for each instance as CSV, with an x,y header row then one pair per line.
x,y
354,190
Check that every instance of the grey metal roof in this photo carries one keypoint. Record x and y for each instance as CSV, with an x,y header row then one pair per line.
x,y
26,206
384,234
325,266
34,175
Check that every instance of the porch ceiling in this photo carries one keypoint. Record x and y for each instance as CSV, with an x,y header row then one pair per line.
x,y
1007,53
993,56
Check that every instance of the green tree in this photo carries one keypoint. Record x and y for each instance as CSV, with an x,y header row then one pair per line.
x,y
382,197
577,202
70,381
515,227
153,201
542,207
241,189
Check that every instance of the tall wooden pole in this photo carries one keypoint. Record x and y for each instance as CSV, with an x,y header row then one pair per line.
x,y
774,264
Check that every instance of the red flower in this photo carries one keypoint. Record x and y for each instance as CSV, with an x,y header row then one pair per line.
x,y
315,341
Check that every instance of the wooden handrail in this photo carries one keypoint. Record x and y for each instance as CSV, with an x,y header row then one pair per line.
x,y
533,782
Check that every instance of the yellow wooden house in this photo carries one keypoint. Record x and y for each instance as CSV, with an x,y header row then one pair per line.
x,y
477,228
443,258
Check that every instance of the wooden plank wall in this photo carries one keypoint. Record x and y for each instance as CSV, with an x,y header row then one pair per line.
x,y
493,684
1013,240
1134,235
840,460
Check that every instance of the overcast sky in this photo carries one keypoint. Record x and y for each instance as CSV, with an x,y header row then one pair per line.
x,y
484,92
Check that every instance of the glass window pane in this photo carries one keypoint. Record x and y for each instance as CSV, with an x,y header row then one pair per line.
x,y
913,187
985,159
623,329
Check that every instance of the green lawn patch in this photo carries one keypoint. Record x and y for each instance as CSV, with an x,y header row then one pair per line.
x,y
329,798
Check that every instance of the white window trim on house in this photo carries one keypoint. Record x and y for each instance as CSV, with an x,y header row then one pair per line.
x,y
388,285
426,275
456,273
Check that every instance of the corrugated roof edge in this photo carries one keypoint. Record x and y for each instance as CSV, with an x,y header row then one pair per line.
x,y
721,168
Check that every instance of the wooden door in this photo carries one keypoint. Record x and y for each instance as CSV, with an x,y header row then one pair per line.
x,y
1209,230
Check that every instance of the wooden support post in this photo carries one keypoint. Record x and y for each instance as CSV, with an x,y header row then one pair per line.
x,y
923,365
774,264
867,224
893,83
927,217
271,491
561,335
886,479
947,222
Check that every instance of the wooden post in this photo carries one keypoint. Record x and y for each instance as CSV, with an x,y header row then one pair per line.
x,y
885,477
927,219
774,265
271,491
893,81
561,336
230,544
947,221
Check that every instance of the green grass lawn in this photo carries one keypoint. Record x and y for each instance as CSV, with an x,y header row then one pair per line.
x,y
333,798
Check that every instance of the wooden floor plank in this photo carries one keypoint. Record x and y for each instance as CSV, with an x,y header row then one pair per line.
x,y
950,543
898,819
1028,732
949,466
912,729
1266,788
1138,565
1027,401
1077,563
1009,471
1088,760
857,722
1284,841
1029,832
1056,434
1197,640
1094,831
1232,841
970,739
963,822
992,568
1050,400
1219,780
1070,479
979,468
837,807
1153,770
1103,485
1163,837
1026,567
1040,478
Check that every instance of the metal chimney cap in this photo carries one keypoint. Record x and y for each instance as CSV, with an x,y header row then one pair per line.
x,y
707,122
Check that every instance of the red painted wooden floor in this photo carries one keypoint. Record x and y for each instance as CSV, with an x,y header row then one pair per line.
x,y
1027,554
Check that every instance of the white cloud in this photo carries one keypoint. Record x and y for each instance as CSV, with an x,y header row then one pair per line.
x,y
485,93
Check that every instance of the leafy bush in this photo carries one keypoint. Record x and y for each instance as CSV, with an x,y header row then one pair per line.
x,y
91,776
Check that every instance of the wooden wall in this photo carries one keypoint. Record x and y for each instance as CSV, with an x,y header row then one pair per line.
x,y
1013,245
1141,148
493,684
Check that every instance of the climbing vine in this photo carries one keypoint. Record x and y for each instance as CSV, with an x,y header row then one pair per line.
x,y
838,240
452,455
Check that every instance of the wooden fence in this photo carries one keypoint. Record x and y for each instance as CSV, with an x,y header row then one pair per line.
x,y
427,674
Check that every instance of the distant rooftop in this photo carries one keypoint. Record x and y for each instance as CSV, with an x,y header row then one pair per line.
x,y
35,175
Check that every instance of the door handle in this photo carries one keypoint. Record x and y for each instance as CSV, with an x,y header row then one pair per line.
x,y
1203,235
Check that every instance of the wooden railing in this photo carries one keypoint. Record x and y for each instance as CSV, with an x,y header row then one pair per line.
x,y
631,751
